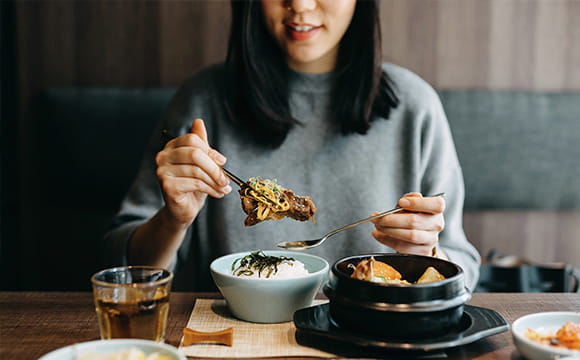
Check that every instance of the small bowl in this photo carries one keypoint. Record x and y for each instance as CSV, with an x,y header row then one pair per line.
x,y
109,346
418,310
544,323
268,300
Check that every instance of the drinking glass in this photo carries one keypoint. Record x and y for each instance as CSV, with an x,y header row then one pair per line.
x,y
132,302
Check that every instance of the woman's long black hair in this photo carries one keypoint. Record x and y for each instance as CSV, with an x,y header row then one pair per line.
x,y
256,73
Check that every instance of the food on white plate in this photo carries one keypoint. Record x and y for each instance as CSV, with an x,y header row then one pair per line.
x,y
123,354
266,200
568,336
259,265
377,271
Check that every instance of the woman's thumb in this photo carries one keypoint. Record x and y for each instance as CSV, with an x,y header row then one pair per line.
x,y
198,128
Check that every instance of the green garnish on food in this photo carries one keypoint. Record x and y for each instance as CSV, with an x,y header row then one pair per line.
x,y
270,184
259,262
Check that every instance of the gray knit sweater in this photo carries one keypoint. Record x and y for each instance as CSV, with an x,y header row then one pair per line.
x,y
348,176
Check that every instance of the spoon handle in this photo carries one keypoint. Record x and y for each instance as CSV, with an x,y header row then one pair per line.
x,y
388,212
392,211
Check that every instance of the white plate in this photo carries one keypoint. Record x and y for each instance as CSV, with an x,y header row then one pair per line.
x,y
544,323
108,346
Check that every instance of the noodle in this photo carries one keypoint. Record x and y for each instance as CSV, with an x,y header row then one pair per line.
x,y
269,196
266,200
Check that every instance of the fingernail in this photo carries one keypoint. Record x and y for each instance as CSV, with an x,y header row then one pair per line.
x,y
404,203
220,158
227,189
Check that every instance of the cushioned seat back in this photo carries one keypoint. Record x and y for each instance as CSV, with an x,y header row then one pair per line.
x,y
95,138
528,278
88,146
518,149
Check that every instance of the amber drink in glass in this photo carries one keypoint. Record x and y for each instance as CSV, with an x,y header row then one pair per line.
x,y
132,302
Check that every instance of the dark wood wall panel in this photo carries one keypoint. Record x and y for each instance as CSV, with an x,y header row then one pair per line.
x,y
193,34
541,237
572,58
104,43
499,44
409,31
463,44
116,43
451,43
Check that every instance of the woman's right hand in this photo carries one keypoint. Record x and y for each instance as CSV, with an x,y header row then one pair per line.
x,y
188,170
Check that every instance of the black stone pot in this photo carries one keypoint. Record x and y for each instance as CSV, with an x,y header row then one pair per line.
x,y
393,310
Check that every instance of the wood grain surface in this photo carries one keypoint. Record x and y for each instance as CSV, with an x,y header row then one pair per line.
x,y
537,236
522,44
34,323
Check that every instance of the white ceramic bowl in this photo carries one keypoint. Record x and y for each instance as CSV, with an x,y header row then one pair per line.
x,y
544,323
268,300
109,346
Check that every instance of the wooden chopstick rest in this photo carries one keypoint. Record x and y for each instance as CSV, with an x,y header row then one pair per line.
x,y
224,337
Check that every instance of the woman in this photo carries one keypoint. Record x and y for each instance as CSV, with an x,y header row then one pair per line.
x,y
302,98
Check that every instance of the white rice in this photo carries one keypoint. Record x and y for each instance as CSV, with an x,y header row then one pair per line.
x,y
285,270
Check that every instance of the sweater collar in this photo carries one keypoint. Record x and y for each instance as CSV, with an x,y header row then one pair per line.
x,y
313,83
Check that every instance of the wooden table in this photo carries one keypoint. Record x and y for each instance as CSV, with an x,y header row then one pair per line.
x,y
34,323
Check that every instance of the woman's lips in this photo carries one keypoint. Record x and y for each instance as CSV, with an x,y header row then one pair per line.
x,y
302,32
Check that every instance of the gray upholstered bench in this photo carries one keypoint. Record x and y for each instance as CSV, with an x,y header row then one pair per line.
x,y
520,153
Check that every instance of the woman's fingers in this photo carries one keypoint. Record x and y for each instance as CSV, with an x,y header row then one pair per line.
x,y
410,221
217,157
198,128
416,202
188,140
191,156
414,230
189,170
177,188
422,245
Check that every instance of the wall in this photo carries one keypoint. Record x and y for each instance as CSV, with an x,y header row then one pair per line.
x,y
498,44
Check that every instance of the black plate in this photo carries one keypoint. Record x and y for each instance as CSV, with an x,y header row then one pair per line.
x,y
476,323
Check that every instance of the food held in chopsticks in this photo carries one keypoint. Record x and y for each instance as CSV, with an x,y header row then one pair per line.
x,y
260,265
266,200
568,336
380,272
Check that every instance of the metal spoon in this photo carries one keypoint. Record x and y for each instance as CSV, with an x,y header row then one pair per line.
x,y
308,244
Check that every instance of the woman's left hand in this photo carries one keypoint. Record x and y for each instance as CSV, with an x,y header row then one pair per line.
x,y
414,230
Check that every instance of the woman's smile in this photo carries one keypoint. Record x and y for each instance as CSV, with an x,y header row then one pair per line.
x,y
302,32
308,31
